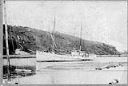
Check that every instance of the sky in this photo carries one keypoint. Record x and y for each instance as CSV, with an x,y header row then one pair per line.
x,y
102,21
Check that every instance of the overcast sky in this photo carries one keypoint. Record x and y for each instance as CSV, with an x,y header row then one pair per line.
x,y
103,21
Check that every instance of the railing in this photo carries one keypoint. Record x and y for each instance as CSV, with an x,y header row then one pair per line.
x,y
19,56
112,55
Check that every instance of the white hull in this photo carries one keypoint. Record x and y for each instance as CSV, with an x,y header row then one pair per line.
x,y
45,56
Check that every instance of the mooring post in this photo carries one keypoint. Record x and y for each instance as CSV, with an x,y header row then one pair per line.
x,y
1,42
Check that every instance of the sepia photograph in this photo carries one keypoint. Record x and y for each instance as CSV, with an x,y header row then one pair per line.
x,y
64,42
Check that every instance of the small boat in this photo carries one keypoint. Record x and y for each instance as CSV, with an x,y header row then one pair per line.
x,y
23,70
20,52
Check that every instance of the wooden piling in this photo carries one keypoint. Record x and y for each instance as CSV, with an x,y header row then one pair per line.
x,y
1,42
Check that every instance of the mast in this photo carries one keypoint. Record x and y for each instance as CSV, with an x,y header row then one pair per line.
x,y
81,38
6,40
54,24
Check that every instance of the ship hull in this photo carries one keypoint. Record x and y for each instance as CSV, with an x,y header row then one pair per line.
x,y
51,57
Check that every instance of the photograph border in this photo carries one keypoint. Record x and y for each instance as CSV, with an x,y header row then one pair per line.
x,y
1,49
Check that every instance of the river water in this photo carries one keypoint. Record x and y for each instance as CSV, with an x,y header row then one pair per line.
x,y
81,72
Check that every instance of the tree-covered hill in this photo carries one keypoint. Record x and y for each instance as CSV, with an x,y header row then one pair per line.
x,y
30,39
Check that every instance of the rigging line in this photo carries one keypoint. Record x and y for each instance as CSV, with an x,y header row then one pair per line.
x,y
6,35
52,35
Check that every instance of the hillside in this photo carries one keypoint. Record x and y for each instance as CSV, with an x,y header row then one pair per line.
x,y
30,39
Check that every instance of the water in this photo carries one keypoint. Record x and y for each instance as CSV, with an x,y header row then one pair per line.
x,y
81,72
